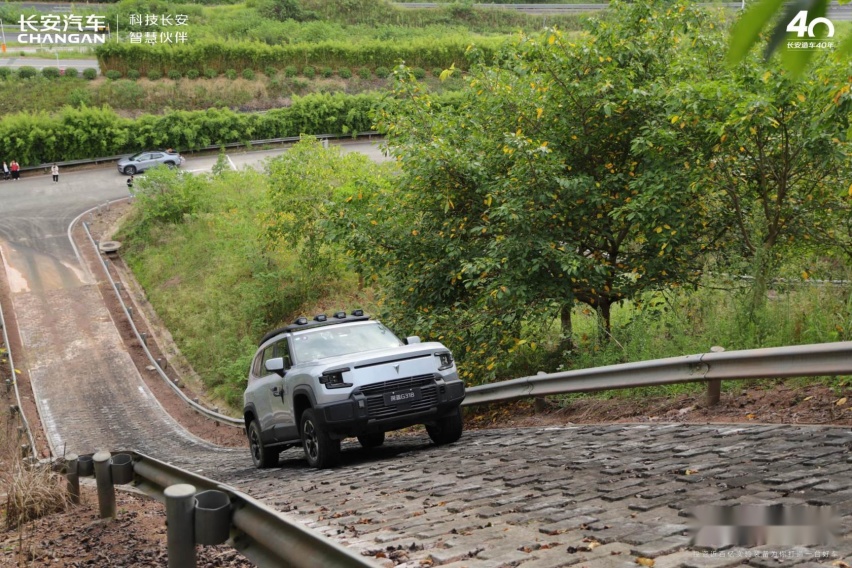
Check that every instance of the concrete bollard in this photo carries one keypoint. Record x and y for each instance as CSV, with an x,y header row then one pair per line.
x,y
180,525
72,479
106,490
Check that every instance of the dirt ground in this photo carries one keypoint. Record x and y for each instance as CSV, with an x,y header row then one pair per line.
x,y
137,536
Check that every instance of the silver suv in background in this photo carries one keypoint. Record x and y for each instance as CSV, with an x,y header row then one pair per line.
x,y
148,159
313,383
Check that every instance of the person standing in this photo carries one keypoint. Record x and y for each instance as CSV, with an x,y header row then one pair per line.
x,y
54,170
5,170
16,170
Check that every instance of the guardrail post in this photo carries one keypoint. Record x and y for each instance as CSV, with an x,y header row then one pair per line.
x,y
212,517
106,491
72,478
714,386
180,528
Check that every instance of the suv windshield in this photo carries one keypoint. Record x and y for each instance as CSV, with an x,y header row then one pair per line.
x,y
336,340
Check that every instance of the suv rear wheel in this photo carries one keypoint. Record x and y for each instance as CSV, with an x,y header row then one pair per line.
x,y
372,440
447,429
262,456
320,450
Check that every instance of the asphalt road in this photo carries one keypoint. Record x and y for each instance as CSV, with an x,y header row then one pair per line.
x,y
39,63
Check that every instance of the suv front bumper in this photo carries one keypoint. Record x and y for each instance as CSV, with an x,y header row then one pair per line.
x,y
366,412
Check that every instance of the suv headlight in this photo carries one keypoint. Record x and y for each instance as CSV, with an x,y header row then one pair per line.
x,y
445,360
333,379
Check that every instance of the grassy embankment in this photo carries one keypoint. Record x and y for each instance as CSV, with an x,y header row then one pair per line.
x,y
218,288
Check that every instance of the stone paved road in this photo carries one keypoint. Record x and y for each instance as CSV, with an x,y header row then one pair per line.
x,y
537,497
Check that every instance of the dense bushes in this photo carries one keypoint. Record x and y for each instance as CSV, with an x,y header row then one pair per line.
x,y
222,56
89,132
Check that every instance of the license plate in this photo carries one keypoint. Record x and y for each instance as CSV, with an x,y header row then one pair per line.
x,y
402,397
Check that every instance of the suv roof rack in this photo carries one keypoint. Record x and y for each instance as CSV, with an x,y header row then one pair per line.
x,y
303,323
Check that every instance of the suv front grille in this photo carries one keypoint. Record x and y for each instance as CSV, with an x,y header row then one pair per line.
x,y
376,402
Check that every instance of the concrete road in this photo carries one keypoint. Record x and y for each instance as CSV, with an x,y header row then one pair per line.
x,y
39,63
89,394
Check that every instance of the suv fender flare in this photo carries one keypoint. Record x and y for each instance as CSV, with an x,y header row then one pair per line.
x,y
249,411
307,391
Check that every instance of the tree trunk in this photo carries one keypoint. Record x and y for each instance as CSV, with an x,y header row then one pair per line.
x,y
567,341
605,315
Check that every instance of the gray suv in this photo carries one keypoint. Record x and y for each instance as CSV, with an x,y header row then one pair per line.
x,y
313,383
143,160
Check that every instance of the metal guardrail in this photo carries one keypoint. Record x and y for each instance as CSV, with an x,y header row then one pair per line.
x,y
201,511
12,382
820,359
143,342
286,140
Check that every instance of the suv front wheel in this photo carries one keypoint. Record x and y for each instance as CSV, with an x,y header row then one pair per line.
x,y
447,429
320,450
262,456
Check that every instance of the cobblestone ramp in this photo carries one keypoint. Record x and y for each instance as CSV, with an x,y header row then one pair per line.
x,y
541,498
88,391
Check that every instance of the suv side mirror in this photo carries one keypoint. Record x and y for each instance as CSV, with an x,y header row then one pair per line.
x,y
412,340
275,365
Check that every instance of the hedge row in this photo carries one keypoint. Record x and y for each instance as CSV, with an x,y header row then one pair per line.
x,y
73,134
221,56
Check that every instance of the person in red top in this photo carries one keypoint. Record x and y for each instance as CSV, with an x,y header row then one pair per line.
x,y
16,170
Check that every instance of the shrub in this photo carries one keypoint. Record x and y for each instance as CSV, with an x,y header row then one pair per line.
x,y
113,75
91,74
5,72
51,72
71,73
231,74
133,74
327,72
309,72
27,72
436,72
155,74
248,74
270,72
210,73
192,74
79,97
174,74
344,73
290,71
382,72
419,73
364,73
299,85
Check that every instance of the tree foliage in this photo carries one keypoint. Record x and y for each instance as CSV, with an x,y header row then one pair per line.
x,y
539,189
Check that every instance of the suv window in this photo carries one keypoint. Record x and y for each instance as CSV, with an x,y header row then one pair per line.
x,y
277,349
256,366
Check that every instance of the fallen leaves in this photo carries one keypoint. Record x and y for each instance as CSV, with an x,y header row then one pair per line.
x,y
647,562
841,402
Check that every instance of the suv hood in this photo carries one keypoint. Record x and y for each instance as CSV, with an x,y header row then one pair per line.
x,y
372,358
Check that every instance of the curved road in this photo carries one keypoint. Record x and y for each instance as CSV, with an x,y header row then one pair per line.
x,y
592,496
